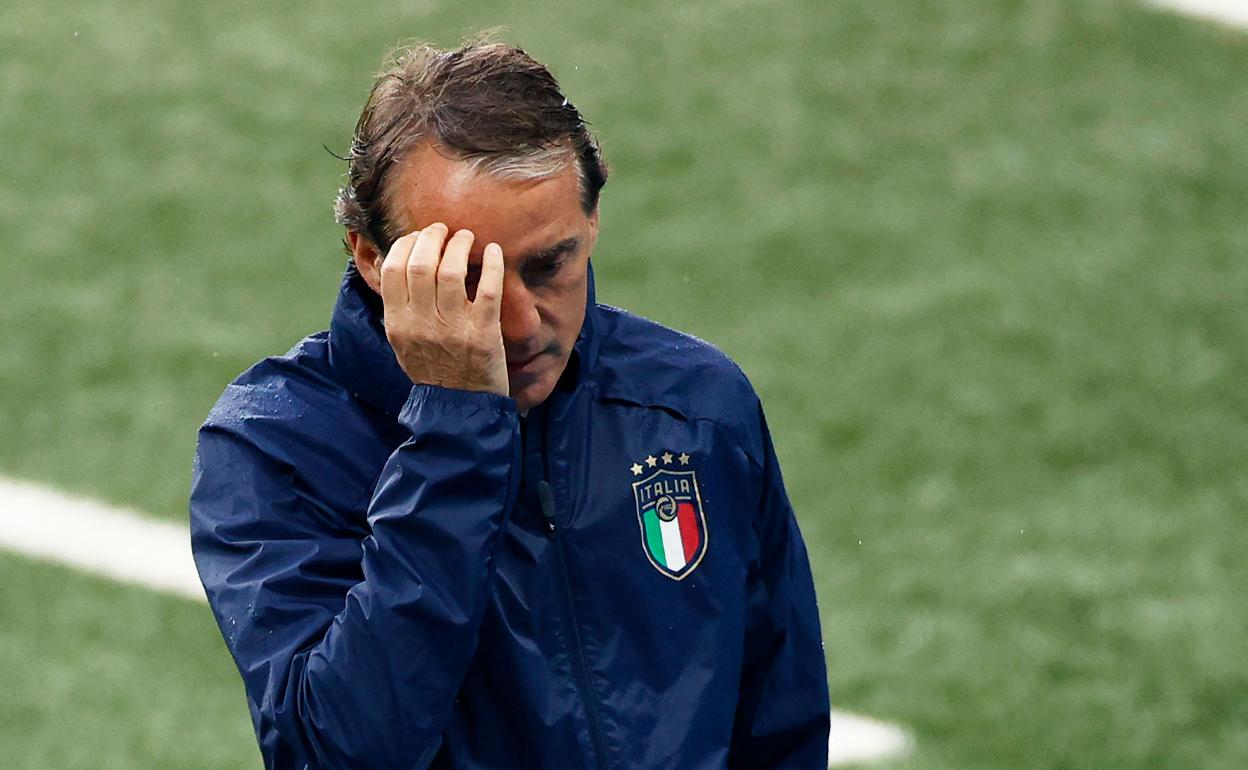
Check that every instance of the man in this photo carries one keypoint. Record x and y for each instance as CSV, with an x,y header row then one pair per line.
x,y
483,521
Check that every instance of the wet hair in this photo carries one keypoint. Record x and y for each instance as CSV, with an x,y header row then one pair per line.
x,y
487,103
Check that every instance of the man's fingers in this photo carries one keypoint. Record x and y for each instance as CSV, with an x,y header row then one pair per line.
x,y
394,272
489,298
452,296
422,268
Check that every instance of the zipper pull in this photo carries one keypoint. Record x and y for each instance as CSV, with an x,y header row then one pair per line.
x,y
546,497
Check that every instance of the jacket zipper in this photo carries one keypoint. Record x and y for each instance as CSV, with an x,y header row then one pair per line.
x,y
546,499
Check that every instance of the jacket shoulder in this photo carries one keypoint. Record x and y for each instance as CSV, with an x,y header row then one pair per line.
x,y
291,410
278,389
651,364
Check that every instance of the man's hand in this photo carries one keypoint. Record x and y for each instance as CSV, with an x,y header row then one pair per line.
x,y
438,335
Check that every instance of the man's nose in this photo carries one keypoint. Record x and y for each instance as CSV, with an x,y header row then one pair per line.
x,y
518,314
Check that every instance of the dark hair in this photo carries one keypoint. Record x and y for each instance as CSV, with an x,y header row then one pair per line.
x,y
482,101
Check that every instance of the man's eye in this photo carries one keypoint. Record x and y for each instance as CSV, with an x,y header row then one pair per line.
x,y
544,270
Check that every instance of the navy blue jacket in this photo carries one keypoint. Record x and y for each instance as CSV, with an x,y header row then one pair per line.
x,y
412,576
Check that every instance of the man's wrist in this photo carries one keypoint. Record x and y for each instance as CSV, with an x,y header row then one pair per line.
x,y
425,397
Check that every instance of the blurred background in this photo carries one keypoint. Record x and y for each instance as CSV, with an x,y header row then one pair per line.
x,y
984,262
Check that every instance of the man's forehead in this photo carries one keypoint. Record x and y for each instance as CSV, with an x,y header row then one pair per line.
x,y
433,187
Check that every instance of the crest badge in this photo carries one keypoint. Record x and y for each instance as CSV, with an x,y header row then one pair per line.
x,y
669,512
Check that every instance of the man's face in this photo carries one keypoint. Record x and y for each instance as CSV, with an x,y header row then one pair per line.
x,y
546,239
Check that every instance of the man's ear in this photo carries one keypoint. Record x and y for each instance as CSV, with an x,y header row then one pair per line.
x,y
593,229
367,259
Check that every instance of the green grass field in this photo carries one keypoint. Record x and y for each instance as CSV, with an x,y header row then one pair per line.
x,y
983,260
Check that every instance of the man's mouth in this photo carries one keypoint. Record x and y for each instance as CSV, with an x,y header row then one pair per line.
x,y
516,364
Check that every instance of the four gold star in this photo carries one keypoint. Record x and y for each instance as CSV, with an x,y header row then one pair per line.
x,y
652,461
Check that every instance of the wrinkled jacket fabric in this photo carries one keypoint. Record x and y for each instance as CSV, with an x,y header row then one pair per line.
x,y
412,576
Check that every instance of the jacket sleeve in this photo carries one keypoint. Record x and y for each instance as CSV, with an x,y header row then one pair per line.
x,y
782,712
352,651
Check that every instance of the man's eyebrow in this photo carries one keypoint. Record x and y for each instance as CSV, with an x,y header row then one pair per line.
x,y
550,252
541,255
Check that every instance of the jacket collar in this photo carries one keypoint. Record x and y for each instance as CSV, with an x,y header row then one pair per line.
x,y
364,362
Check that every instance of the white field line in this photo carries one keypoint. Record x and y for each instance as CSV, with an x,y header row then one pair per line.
x,y
127,546
855,739
91,536
1233,12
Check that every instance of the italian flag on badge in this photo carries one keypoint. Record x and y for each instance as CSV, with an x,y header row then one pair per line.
x,y
673,527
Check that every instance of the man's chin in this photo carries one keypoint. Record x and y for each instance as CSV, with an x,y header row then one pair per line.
x,y
532,388
532,394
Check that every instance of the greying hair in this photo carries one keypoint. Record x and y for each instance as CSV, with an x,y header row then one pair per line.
x,y
487,103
